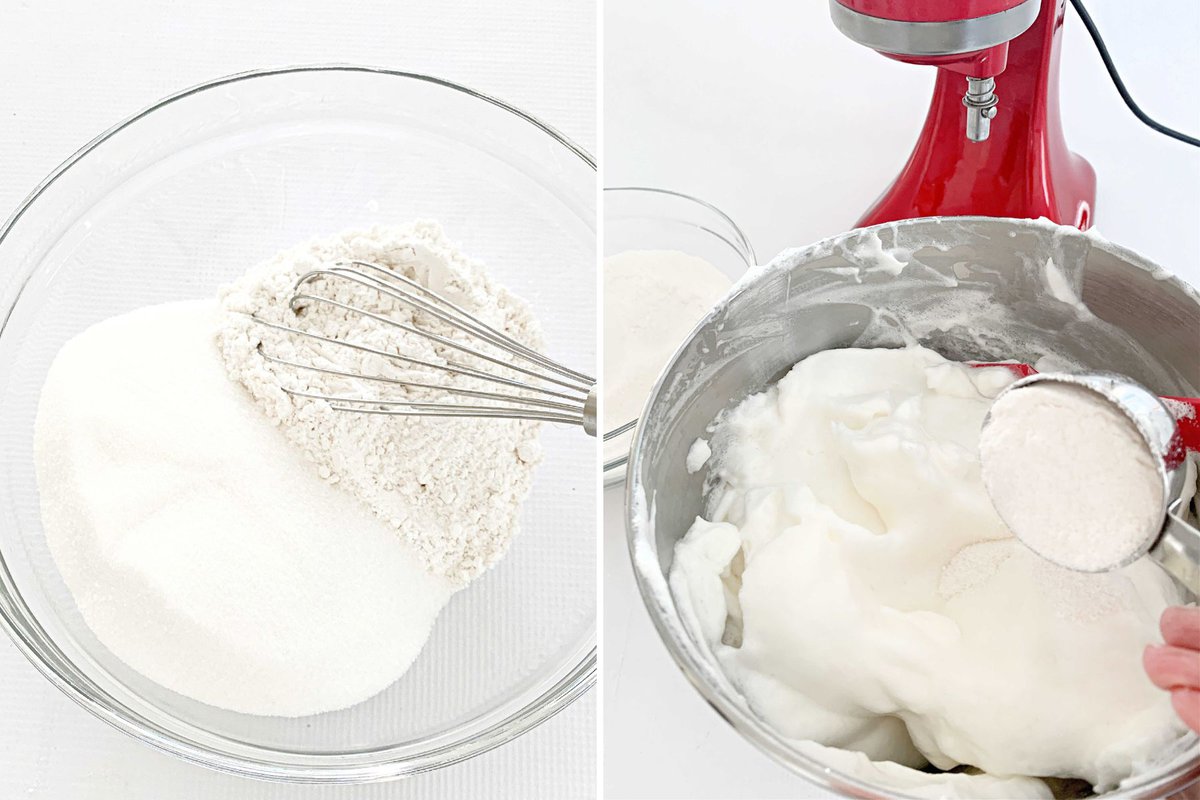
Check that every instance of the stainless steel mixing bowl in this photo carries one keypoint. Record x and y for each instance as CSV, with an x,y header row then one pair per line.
x,y
973,288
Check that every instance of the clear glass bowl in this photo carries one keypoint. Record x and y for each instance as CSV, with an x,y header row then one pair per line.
x,y
186,195
637,218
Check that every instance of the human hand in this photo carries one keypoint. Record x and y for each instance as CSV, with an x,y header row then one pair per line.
x,y
1175,665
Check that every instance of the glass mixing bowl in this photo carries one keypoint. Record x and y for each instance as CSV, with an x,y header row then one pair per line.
x,y
637,218
974,290
186,195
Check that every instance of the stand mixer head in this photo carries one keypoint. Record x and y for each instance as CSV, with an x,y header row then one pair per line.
x,y
992,142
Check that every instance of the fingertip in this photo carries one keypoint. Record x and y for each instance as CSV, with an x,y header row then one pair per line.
x,y
1183,613
1151,663
1171,667
1180,626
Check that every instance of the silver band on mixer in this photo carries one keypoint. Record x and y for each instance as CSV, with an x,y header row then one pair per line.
x,y
944,38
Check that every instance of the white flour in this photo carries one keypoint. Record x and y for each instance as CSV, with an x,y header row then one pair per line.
x,y
452,488
1071,476
199,545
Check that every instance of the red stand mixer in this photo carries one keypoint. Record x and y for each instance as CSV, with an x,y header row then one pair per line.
x,y
993,143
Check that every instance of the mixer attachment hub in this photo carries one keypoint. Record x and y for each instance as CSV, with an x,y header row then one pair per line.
x,y
981,102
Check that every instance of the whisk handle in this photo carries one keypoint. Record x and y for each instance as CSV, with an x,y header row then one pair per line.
x,y
589,413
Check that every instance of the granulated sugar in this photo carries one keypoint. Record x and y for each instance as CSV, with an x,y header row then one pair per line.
x,y
199,545
973,566
1071,476
452,488
653,299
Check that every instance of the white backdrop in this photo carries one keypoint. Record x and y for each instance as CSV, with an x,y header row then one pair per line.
x,y
72,69
764,109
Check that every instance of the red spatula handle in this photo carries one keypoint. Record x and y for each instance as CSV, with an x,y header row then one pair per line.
x,y
1022,370
1186,410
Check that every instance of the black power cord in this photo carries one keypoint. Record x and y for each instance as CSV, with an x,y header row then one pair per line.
x,y
1094,32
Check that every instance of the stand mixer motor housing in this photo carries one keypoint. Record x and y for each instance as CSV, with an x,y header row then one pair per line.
x,y
992,143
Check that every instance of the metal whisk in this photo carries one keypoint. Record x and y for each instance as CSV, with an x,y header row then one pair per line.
x,y
536,387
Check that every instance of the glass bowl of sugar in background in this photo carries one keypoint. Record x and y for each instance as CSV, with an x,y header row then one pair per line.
x,y
184,197
637,218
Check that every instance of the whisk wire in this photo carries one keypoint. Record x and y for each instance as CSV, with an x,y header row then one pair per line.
x,y
405,408
484,411
469,322
448,367
300,299
540,389
433,301
456,390
400,288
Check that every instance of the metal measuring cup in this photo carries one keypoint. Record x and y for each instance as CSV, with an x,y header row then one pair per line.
x,y
1175,543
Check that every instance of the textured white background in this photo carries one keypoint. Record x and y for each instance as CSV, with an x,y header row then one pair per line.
x,y
767,111
72,69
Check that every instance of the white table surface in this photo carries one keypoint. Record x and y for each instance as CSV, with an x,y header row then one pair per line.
x,y
767,111
72,69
